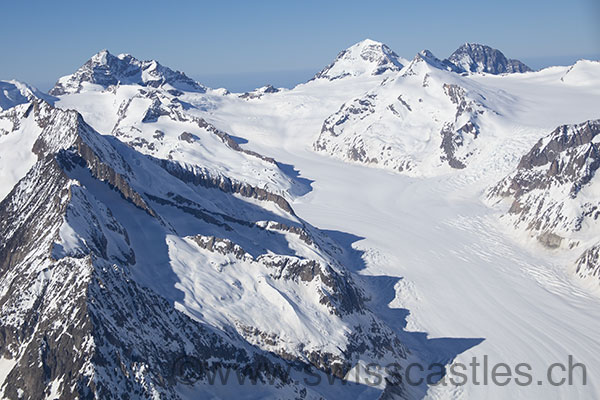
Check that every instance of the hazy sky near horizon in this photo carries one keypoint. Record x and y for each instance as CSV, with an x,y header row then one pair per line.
x,y
244,44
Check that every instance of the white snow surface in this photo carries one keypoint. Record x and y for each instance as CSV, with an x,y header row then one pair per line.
x,y
16,157
6,365
121,112
471,283
13,93
464,275
367,57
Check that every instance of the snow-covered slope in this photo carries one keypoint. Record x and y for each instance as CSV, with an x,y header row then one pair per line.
x,y
421,121
13,93
145,218
560,168
259,92
582,73
169,125
142,234
367,57
19,130
463,274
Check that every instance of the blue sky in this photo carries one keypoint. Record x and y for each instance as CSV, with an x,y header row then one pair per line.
x,y
244,44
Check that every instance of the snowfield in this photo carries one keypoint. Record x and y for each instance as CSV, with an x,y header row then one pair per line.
x,y
346,219
462,273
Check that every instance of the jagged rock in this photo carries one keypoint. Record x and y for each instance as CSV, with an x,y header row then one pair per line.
x,y
393,127
549,191
472,57
588,264
70,268
107,70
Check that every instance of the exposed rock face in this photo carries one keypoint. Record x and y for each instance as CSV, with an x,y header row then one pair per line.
x,y
426,56
552,190
80,315
588,264
471,57
332,128
366,57
464,129
141,113
201,177
564,162
107,70
76,324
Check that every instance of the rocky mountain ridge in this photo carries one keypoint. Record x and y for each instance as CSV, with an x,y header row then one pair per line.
x,y
477,58
89,194
553,193
105,69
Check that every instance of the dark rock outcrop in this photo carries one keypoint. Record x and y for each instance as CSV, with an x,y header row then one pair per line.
x,y
545,188
471,57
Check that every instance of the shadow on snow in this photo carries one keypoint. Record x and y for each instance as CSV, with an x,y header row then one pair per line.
x,y
382,290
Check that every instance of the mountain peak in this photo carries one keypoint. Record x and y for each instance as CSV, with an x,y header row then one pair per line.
x,y
13,93
368,42
106,69
101,56
367,57
475,57
427,57
582,73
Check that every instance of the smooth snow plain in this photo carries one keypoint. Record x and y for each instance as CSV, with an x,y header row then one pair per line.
x,y
471,285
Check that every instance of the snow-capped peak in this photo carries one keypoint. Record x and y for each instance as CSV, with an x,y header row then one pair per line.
x,y
431,59
473,57
367,57
106,69
13,93
582,73
427,58
101,57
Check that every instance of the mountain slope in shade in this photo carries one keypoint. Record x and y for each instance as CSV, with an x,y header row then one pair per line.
x,y
74,323
367,57
171,126
106,70
13,93
162,262
472,57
